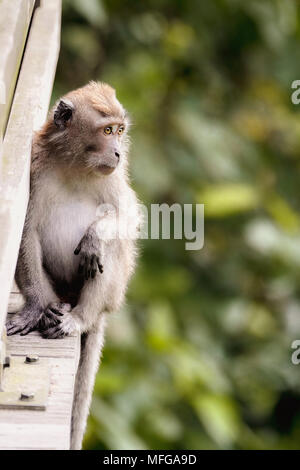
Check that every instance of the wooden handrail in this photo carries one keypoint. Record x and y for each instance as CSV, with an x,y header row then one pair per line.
x,y
15,18
28,112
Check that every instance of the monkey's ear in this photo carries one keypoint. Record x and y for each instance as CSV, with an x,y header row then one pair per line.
x,y
63,114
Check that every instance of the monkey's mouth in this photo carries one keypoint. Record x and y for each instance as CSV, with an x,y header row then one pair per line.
x,y
106,169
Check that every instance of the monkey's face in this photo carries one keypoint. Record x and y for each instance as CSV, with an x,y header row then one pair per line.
x,y
105,148
93,121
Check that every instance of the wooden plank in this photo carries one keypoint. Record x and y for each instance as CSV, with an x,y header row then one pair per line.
x,y
50,429
15,16
29,110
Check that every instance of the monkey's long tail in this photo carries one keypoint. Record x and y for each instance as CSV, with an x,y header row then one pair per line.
x,y
91,348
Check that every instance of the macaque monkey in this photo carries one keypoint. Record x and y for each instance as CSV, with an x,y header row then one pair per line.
x,y
73,266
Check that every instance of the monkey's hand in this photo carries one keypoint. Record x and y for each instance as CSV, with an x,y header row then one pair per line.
x,y
24,322
90,255
52,315
65,327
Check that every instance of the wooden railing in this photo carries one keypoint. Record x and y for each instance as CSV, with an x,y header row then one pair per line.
x,y
29,46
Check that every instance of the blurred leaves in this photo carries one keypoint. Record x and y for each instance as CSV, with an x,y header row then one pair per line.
x,y
223,200
91,10
219,417
200,355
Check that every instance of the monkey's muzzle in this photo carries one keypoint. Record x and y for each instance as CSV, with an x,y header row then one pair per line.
x,y
106,169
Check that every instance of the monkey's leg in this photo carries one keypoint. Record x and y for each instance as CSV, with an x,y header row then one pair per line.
x,y
99,294
34,285
91,347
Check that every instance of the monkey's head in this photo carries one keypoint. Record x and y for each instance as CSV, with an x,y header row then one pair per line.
x,y
88,128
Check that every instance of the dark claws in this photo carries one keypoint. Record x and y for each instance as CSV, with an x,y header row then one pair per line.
x,y
13,330
22,323
100,267
28,329
52,316
77,250
47,320
54,310
54,333
89,265
22,329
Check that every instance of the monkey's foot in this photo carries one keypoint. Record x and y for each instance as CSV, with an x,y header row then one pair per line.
x,y
51,315
23,322
66,327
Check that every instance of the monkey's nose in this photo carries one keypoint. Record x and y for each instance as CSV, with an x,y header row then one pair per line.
x,y
117,154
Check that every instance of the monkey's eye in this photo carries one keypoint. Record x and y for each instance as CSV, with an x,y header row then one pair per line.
x,y
121,130
108,130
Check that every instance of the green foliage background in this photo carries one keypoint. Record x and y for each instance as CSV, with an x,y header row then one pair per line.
x,y
200,357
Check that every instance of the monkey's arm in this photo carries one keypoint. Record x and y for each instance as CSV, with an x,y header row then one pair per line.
x,y
34,285
106,264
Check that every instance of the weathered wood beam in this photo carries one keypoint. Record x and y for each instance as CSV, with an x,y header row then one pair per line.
x,y
15,17
28,112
